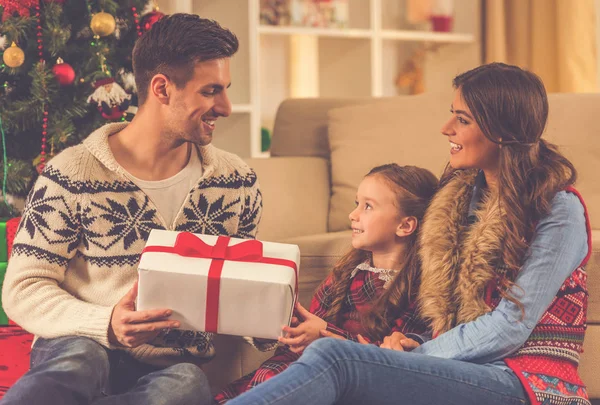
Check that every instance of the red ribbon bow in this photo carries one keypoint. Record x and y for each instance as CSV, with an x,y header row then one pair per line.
x,y
189,245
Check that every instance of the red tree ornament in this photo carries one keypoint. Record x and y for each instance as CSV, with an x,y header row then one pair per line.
x,y
21,7
64,73
149,19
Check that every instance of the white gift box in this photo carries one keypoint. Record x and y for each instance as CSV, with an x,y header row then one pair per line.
x,y
219,284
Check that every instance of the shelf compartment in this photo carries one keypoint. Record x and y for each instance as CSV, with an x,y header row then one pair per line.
x,y
321,32
427,36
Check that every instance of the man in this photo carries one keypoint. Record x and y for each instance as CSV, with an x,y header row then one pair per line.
x,y
71,278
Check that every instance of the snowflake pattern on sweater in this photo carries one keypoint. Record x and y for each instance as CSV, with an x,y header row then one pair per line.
x,y
84,227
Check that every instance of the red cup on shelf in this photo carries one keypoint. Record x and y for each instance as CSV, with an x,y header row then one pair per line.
x,y
441,23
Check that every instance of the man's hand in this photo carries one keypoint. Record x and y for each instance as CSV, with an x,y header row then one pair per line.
x,y
397,341
297,338
131,328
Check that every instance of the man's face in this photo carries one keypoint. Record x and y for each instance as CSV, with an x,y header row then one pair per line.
x,y
195,108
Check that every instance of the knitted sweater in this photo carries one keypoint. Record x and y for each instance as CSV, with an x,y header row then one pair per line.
x,y
84,226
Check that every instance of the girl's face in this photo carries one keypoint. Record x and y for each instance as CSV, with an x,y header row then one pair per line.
x,y
469,148
376,218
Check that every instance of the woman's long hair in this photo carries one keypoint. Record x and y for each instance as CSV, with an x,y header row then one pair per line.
x,y
414,188
510,106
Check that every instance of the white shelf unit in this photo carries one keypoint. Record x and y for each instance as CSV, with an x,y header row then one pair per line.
x,y
320,32
277,62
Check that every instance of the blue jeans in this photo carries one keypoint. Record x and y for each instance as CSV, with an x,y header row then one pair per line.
x,y
77,370
333,371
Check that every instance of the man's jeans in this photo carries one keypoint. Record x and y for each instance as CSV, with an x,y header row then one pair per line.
x,y
334,371
77,370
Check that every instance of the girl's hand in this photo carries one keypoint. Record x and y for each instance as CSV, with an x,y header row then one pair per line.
x,y
361,340
297,338
397,341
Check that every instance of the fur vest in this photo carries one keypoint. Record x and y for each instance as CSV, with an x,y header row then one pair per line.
x,y
460,266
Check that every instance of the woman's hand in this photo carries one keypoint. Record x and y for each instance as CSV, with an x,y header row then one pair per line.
x,y
307,331
397,341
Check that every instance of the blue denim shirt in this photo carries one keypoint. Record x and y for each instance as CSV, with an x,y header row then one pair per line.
x,y
558,247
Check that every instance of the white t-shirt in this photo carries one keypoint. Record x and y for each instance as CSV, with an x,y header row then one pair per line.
x,y
169,195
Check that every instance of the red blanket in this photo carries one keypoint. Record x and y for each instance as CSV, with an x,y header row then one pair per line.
x,y
15,347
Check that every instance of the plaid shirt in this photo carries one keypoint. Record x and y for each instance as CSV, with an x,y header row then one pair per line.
x,y
365,288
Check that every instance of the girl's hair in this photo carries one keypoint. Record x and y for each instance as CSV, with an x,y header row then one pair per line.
x,y
511,108
413,187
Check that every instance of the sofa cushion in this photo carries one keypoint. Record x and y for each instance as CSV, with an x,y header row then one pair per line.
x,y
301,126
319,253
593,281
574,126
295,193
588,367
404,130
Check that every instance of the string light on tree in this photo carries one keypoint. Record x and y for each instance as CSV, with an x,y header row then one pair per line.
x,y
40,42
14,56
5,88
136,20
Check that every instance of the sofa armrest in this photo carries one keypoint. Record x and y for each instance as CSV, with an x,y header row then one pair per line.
x,y
295,194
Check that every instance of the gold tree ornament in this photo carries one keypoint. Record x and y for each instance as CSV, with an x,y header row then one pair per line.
x,y
14,56
103,24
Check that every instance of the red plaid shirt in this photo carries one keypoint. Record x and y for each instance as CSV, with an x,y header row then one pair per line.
x,y
365,288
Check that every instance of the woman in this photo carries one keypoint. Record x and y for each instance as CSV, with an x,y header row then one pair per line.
x,y
503,288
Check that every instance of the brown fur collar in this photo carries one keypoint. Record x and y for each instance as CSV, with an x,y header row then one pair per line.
x,y
458,261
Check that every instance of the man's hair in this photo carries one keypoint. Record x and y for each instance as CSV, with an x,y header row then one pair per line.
x,y
174,45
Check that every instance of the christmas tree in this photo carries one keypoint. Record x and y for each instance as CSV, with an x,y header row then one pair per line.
x,y
65,71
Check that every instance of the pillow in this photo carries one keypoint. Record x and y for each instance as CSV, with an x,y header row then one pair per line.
x,y
403,130
575,129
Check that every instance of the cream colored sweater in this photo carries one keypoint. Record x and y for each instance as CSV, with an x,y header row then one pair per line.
x,y
84,226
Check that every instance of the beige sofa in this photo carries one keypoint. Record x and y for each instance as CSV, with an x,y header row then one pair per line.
x,y
321,149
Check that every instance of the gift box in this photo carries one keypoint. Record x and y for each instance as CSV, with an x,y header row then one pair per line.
x,y
220,284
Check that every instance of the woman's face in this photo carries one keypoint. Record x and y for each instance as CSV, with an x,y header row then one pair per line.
x,y
469,148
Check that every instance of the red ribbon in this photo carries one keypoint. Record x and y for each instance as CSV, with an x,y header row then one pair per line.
x,y
189,245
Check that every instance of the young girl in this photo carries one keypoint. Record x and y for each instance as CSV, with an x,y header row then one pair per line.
x,y
371,290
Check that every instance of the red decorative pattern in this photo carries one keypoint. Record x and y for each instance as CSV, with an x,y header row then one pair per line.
x,y
15,348
149,19
21,7
547,363
11,230
15,343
